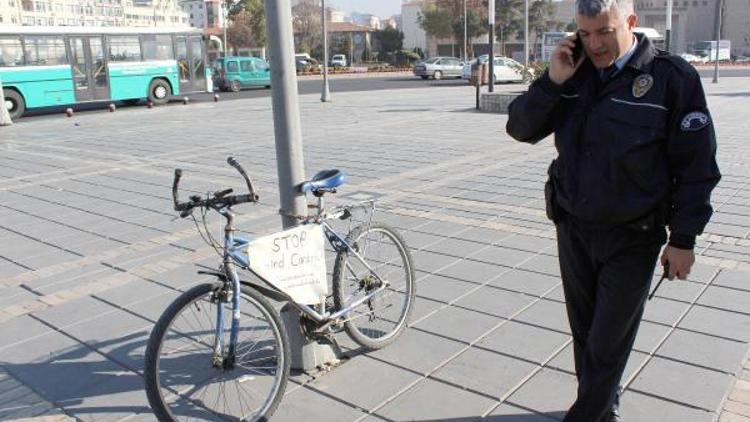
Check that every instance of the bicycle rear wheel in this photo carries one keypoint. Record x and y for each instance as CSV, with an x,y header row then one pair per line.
x,y
184,379
377,322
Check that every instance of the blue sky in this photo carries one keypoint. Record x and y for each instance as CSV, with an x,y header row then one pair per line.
x,y
380,8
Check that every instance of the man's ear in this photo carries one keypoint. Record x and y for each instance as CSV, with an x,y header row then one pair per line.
x,y
632,21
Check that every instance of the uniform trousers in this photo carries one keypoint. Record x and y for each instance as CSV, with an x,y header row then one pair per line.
x,y
606,274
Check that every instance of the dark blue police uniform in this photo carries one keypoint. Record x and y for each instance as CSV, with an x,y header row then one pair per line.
x,y
636,154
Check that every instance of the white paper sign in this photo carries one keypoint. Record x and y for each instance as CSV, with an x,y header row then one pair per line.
x,y
294,261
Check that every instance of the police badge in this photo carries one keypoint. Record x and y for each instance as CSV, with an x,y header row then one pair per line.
x,y
642,84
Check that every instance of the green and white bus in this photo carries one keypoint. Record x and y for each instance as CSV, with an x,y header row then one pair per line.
x,y
54,66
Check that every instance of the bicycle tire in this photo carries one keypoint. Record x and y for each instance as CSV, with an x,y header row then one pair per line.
x,y
348,282
163,389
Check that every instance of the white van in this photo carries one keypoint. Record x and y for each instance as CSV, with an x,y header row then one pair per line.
x,y
338,60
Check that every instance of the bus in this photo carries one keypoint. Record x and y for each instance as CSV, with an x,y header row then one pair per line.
x,y
57,66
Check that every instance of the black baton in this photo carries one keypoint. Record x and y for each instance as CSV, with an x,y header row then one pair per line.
x,y
663,276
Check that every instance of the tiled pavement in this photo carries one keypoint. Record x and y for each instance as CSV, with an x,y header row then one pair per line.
x,y
91,255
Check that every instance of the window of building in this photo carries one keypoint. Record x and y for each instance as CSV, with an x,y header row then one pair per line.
x,y
124,49
157,47
41,51
11,53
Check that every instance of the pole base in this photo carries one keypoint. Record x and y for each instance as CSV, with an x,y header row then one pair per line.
x,y
306,354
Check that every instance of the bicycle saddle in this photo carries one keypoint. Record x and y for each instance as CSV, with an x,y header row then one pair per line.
x,y
324,181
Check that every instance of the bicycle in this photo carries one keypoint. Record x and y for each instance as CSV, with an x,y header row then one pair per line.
x,y
193,372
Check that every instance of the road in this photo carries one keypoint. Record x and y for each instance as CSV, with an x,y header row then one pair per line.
x,y
347,84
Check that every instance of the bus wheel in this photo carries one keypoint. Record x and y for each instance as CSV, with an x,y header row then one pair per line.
x,y
159,91
14,103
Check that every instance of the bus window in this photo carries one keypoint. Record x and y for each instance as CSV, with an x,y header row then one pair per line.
x,y
11,52
41,51
124,49
157,47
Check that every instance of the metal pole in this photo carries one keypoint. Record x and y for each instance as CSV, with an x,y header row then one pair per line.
x,y
325,96
286,119
466,31
526,35
225,5
492,45
719,7
668,43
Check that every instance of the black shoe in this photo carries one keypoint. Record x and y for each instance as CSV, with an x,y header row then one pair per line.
x,y
614,414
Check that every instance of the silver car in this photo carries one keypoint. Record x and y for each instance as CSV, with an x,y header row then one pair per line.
x,y
439,68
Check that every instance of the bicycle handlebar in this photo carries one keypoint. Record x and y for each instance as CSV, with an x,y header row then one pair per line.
x,y
218,200
232,162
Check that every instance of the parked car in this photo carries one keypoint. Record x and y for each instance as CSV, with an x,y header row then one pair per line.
x,y
505,68
692,58
338,60
306,65
438,68
235,73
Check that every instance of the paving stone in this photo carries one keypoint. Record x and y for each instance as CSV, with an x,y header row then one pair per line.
x,y
494,301
524,341
78,310
419,351
432,262
20,329
509,413
525,281
419,403
458,324
305,404
700,349
547,314
722,323
664,311
477,272
727,299
549,392
734,279
682,383
443,289
503,256
485,372
365,382
544,264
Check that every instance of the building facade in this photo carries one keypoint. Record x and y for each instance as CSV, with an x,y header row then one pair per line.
x,y
92,13
204,13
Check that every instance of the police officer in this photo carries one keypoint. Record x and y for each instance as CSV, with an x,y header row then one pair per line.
x,y
636,154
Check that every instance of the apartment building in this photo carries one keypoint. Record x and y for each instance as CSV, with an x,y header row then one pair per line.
x,y
92,13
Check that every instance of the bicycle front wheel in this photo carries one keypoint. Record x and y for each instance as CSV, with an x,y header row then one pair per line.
x,y
378,321
188,380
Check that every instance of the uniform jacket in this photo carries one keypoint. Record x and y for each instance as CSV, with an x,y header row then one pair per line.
x,y
643,140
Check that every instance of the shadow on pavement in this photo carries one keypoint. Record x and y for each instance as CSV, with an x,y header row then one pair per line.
x,y
529,417
731,94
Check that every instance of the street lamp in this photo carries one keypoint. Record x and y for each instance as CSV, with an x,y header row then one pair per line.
x,y
719,8
466,56
325,96
526,34
491,20
668,31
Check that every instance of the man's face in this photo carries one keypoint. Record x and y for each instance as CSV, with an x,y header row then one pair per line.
x,y
607,36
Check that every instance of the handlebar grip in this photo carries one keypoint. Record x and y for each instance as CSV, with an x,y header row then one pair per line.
x,y
175,187
232,162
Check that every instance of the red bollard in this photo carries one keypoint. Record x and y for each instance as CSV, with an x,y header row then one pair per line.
x,y
149,104
69,112
111,107
216,98
185,100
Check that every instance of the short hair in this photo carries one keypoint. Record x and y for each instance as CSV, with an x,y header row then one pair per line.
x,y
593,8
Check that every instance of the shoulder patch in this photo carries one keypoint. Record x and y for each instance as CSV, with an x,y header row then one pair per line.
x,y
695,121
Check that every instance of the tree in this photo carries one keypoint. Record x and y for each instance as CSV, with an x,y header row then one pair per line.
x,y
239,33
436,21
308,28
390,39
475,26
341,45
542,18
509,19
252,13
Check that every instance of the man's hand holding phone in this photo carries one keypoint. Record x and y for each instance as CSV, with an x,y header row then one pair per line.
x,y
566,58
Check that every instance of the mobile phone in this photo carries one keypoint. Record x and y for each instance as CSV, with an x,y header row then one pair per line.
x,y
577,49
